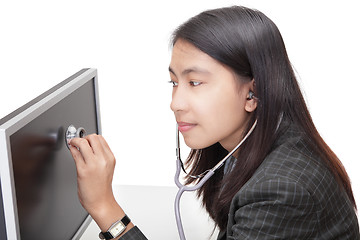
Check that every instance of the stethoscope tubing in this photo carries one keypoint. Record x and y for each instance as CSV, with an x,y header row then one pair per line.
x,y
183,188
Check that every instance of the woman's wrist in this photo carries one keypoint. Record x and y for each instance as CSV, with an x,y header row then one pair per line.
x,y
107,213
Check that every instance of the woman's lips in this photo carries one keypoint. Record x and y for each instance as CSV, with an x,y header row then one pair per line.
x,y
184,127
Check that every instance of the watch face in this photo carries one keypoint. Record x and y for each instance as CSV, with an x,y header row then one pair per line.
x,y
117,229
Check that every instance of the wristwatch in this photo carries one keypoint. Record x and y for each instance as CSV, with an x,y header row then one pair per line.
x,y
115,229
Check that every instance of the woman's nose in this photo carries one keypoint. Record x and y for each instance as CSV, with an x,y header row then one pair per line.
x,y
179,99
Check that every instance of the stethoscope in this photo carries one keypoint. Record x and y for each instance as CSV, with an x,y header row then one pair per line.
x,y
204,176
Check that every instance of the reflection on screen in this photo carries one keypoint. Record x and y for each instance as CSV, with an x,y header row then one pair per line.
x,y
44,171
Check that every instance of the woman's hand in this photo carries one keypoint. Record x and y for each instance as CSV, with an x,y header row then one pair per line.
x,y
95,165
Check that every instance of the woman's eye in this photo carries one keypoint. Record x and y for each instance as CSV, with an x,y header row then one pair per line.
x,y
193,83
173,83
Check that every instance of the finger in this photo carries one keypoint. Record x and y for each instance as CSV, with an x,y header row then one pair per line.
x,y
106,147
84,147
95,144
79,160
104,144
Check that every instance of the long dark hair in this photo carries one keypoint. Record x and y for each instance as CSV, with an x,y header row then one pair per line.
x,y
251,45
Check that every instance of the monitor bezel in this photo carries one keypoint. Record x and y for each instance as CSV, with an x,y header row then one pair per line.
x,y
18,119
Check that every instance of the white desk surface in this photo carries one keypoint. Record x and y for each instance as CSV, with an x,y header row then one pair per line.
x,y
151,208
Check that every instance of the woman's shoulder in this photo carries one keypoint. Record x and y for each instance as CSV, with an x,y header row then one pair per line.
x,y
294,185
294,175
289,187
294,160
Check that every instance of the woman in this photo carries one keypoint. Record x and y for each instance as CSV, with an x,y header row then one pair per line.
x,y
229,68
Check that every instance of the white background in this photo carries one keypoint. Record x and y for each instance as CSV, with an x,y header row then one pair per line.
x,y
44,42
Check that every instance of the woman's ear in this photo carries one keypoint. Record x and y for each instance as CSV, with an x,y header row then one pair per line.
x,y
251,99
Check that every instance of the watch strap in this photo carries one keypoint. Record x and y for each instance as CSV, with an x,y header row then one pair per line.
x,y
106,235
126,220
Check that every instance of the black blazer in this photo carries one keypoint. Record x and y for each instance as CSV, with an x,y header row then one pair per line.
x,y
292,195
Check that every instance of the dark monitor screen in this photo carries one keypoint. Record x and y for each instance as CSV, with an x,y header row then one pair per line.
x,y
39,191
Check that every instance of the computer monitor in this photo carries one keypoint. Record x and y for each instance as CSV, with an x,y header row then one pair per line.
x,y
38,187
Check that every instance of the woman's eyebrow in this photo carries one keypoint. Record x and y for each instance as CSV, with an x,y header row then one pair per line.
x,y
171,71
191,70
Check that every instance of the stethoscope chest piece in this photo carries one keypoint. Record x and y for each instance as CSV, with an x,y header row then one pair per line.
x,y
72,132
